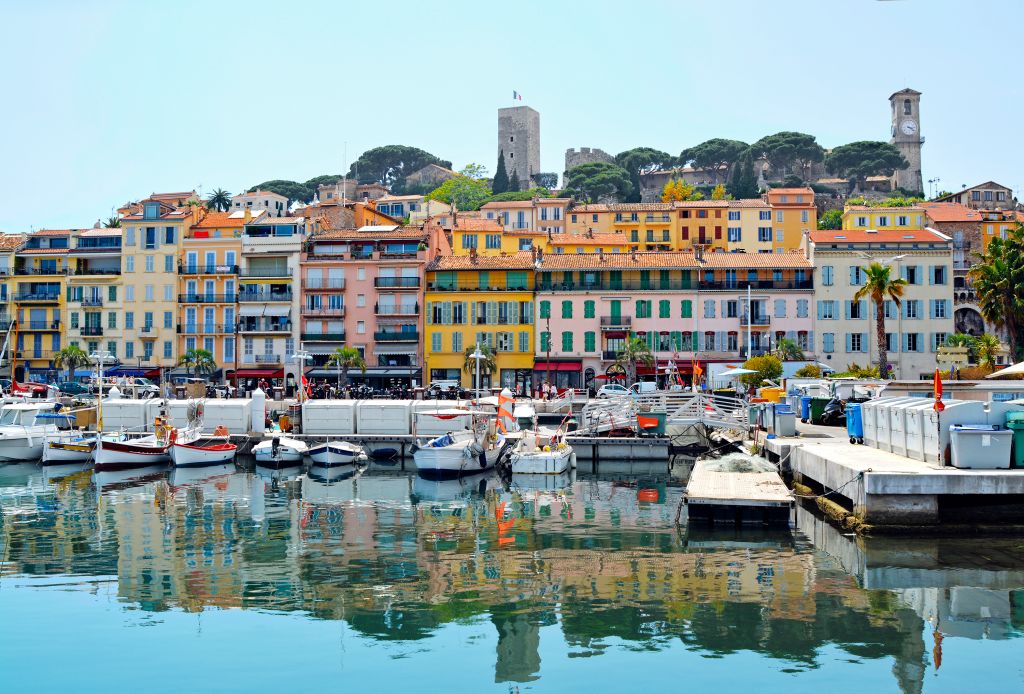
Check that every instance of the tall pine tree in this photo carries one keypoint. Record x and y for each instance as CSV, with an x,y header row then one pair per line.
x,y
513,183
500,183
743,184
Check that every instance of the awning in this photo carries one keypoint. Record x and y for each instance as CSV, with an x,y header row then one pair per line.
x,y
263,310
396,349
616,333
126,371
183,372
83,373
372,372
558,366
257,373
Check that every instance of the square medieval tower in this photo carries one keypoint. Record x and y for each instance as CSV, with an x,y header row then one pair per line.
x,y
519,142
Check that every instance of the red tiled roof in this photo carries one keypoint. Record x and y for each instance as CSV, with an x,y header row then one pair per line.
x,y
507,203
671,259
949,212
748,202
51,232
475,224
791,259
414,233
701,203
10,242
791,191
522,260
587,240
44,251
878,236
221,220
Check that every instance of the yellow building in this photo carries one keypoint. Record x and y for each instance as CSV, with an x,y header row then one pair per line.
x,y
749,227
152,239
40,282
794,215
888,218
487,237
648,226
588,242
208,285
9,243
486,299
94,296
997,224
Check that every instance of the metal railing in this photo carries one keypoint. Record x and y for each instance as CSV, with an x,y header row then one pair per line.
x,y
197,269
106,272
755,320
273,272
396,310
268,358
323,284
396,336
39,325
397,282
40,271
323,337
321,311
37,296
201,298
741,285
264,328
625,285
265,296
461,287
616,322
205,328
92,301
91,330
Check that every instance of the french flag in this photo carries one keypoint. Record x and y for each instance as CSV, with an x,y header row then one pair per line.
x,y
516,96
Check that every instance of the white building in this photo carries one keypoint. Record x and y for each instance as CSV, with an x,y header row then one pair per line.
x,y
275,205
845,329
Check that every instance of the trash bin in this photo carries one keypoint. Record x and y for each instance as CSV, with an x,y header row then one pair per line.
x,y
785,420
854,422
980,446
805,408
1015,423
651,423
817,409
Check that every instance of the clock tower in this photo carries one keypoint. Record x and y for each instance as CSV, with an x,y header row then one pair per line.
x,y
906,136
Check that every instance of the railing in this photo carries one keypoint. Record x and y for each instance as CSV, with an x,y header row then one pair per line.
x,y
613,322
396,310
625,285
147,330
741,285
265,328
397,282
321,311
91,330
35,354
92,301
610,355
265,296
201,298
458,287
627,220
396,336
105,272
755,320
397,255
36,296
662,219
39,325
274,272
205,328
268,359
321,284
323,337
40,271
207,269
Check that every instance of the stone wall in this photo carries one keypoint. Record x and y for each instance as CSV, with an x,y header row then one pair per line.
x,y
586,155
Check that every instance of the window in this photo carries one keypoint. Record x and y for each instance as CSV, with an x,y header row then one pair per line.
x,y
456,342
862,221
435,342
912,308
169,235
975,195
940,308
73,318
891,343
854,342
168,319
827,275
734,215
939,274
805,216
912,342
129,320
129,236
545,309
643,308
524,342
664,309
686,309
827,309
883,220
778,216
801,308
168,263
493,240
469,241
129,350
828,342
855,310
731,309
988,196
567,341
780,308
856,276
911,274
566,309
1000,197
735,234
147,320
765,215
168,350
901,221
112,293
229,349
149,263
169,292
129,263
764,233
361,327
112,320
149,292
545,341
588,309
938,339
709,308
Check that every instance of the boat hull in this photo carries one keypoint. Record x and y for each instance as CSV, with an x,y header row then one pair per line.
x,y
289,453
185,455
542,462
21,449
117,455
64,452
454,461
332,454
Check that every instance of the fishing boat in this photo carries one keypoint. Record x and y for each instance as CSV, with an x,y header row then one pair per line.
x,y
473,450
24,428
279,452
538,454
336,453
121,451
198,454
64,448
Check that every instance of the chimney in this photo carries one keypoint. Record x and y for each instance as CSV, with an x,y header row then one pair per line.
x,y
246,215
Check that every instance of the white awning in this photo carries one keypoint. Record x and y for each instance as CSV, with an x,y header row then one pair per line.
x,y
396,349
263,310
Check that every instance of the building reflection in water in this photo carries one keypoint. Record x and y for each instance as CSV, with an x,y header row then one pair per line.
x,y
397,557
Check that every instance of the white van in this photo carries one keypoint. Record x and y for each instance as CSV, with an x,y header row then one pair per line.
x,y
643,388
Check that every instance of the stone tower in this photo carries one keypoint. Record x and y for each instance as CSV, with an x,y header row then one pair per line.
x,y
906,135
519,139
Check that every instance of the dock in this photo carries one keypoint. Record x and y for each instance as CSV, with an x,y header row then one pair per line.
x,y
738,490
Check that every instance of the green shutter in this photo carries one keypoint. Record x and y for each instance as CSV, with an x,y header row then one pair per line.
x,y
616,309
588,309
639,308
589,342
666,283
567,341
567,309
686,279
663,309
545,309
545,341
687,308
645,279
615,279
694,338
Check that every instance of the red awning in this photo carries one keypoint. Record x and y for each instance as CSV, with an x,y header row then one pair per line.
x,y
558,366
257,373
616,333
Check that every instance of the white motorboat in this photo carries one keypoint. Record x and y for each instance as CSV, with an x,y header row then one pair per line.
x,y
334,453
279,452
71,447
538,454
198,454
24,427
460,452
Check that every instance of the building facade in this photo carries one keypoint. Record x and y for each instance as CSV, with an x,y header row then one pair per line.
x,y
519,142
257,201
95,297
41,266
984,196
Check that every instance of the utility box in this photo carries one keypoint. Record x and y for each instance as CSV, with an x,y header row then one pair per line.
x,y
980,446
1015,423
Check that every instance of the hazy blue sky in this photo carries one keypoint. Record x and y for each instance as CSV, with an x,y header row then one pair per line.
x,y
110,101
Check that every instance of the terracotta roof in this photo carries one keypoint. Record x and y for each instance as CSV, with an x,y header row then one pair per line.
x,y
414,233
507,203
950,212
748,203
884,208
878,236
476,224
221,220
690,204
277,220
165,197
791,191
554,201
791,259
587,240
522,260
669,260
257,193
9,242
399,198
44,251
51,232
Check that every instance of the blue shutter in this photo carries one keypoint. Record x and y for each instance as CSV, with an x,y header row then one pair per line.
x,y
849,342
846,310
863,308
853,276
821,309
863,342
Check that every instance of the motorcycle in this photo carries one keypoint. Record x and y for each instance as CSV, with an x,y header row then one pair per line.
x,y
834,414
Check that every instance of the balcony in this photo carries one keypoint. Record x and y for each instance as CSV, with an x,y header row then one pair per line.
x,y
610,355
267,297
102,272
207,298
323,284
148,332
29,354
91,330
741,285
627,285
397,282
256,327
46,271
323,337
205,328
755,321
208,270
37,297
628,220
336,312
658,219
40,325
396,336
266,273
397,255
268,359
92,301
396,309
616,322
463,287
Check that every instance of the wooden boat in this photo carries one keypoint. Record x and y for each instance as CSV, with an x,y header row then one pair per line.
x,y
201,455
279,452
336,453
25,426
61,449
120,452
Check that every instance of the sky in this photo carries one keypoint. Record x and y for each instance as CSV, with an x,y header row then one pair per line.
x,y
106,102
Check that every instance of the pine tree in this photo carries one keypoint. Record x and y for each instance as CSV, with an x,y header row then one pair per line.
x,y
743,185
513,183
500,183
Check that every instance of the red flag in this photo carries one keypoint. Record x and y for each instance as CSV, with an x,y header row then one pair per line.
x,y
937,385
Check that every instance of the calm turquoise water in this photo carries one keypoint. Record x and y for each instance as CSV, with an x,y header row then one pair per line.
x,y
233,581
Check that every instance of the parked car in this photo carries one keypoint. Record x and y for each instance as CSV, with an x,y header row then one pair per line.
x,y
612,390
643,388
72,388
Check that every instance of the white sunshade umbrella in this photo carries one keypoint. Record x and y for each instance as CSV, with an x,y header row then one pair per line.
x,y
740,371
1015,370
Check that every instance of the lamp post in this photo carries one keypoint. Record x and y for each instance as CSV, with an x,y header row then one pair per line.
x,y
99,358
477,355
302,357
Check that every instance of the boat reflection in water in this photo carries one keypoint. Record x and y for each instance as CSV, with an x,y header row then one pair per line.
x,y
520,580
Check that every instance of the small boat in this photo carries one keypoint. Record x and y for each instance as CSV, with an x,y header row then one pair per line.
x,y
25,426
121,452
535,454
61,449
336,453
279,452
201,455
460,452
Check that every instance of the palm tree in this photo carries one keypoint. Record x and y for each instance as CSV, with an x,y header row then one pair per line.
x,y
70,358
199,361
634,351
345,358
112,223
219,200
997,277
788,350
879,287
488,364
988,348
964,340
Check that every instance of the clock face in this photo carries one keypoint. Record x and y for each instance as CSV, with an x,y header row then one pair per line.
x,y
908,127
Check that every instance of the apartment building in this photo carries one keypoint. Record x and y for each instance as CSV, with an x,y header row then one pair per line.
x,y
794,215
257,201
41,266
846,328
95,298
546,215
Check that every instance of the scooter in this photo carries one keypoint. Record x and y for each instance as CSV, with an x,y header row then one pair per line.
x,y
834,414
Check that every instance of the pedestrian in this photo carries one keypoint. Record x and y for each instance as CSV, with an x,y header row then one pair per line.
x,y
545,390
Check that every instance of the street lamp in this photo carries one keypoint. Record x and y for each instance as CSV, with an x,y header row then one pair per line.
x,y
302,357
477,355
99,358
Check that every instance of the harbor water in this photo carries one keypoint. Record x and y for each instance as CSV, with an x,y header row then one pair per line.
x,y
233,580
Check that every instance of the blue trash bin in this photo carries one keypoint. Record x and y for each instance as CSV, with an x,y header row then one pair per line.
x,y
854,422
805,408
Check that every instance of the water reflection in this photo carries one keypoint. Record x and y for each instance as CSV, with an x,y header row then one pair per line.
x,y
598,558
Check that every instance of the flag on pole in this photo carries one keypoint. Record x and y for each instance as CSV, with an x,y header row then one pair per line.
x,y
516,96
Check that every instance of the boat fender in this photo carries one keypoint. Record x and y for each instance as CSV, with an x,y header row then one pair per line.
x,y
467,453
475,448
483,460
173,436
